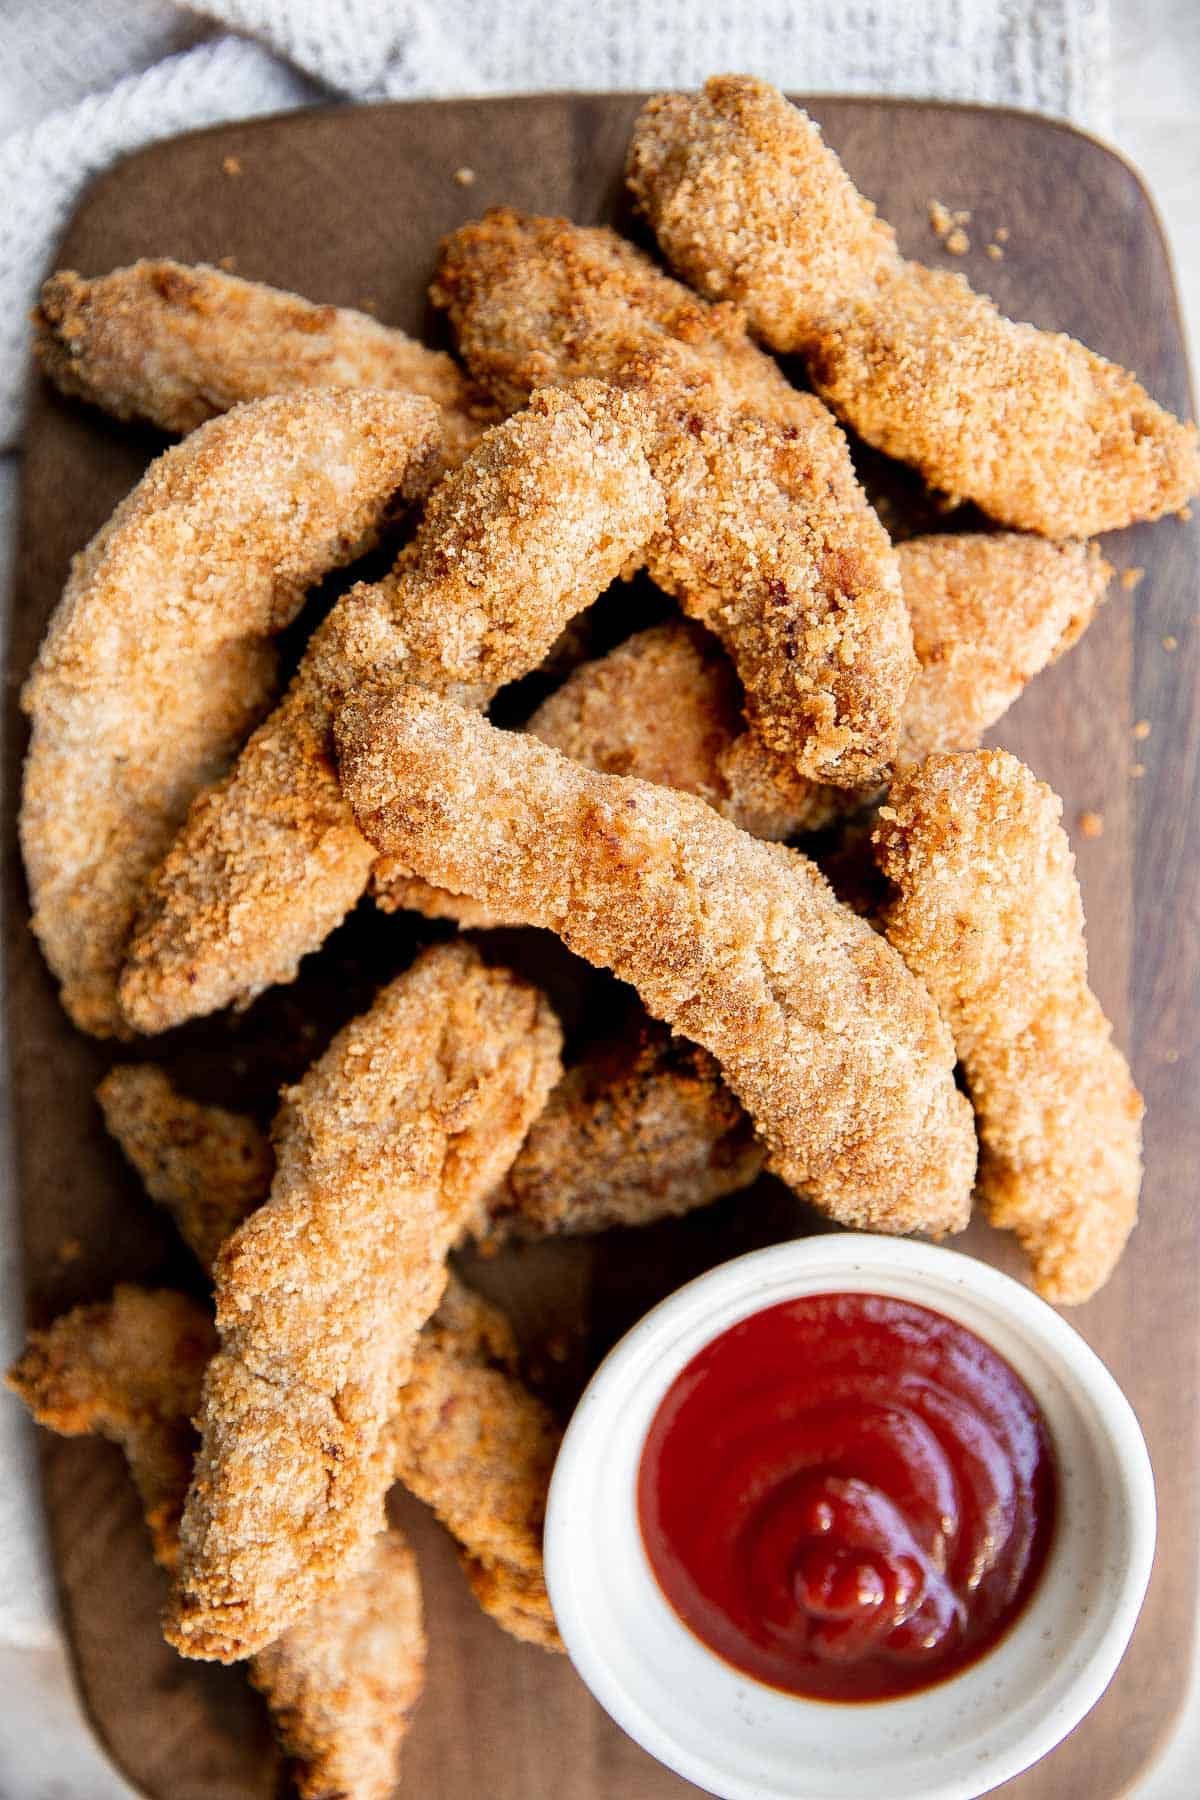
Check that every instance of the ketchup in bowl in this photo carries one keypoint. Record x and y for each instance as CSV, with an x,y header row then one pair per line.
x,y
848,1497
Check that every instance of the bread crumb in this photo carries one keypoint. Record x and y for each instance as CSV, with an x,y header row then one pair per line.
x,y
1091,824
1130,579
69,1250
464,177
995,252
1170,642
958,243
941,219
1171,1056
1184,513
1141,730
228,263
1001,234
231,165
1137,770
368,305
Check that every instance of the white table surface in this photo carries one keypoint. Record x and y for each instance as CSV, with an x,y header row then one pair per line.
x,y
46,1748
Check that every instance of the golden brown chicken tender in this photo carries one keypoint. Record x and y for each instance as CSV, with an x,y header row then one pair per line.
x,y
472,1442
987,911
541,302
177,345
386,1151
545,513
988,610
208,1166
156,662
769,540
342,1682
128,1369
751,206
641,1128
835,1050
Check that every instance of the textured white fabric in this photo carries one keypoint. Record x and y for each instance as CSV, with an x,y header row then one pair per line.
x,y
83,82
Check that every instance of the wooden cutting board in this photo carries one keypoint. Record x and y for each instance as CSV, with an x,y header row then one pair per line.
x,y
346,206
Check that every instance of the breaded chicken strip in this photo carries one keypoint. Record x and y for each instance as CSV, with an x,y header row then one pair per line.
x,y
989,610
128,1369
835,1050
769,540
386,1151
208,1166
343,1681
544,514
987,911
156,662
540,302
641,1128
751,206
472,1442
177,345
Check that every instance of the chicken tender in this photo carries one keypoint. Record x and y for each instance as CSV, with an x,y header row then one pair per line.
x,y
835,1050
987,911
769,539
128,1369
209,1167
472,1442
803,592
989,610
177,345
750,206
641,1128
342,1682
541,302
157,662
545,513
386,1151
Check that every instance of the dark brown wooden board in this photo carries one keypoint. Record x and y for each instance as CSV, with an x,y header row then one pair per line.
x,y
346,205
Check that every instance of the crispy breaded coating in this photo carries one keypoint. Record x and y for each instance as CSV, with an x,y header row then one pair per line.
x,y
769,539
641,1128
987,911
208,1166
343,1681
129,1369
156,662
835,1050
386,1150
749,205
177,345
771,543
545,513
472,1442
989,610
541,302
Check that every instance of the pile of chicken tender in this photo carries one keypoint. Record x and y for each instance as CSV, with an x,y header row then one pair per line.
x,y
899,1036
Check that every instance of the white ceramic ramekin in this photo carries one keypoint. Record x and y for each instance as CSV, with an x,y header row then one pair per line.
x,y
744,1741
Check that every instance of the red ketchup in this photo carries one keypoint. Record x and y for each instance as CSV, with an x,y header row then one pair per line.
x,y
847,1497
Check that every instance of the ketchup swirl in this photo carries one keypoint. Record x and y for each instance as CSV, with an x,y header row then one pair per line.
x,y
847,1496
